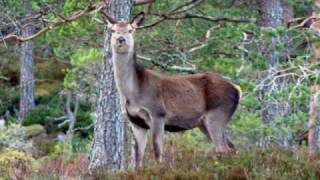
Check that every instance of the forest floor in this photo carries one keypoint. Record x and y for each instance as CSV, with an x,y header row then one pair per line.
x,y
181,161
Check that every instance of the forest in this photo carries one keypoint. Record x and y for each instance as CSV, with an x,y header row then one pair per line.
x,y
150,89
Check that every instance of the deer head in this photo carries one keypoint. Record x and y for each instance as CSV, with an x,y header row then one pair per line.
x,y
122,33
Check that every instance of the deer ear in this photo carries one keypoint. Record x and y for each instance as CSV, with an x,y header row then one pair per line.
x,y
137,20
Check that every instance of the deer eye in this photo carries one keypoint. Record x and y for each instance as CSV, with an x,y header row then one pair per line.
x,y
130,31
113,31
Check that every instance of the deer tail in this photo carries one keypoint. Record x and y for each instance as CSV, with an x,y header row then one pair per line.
x,y
239,90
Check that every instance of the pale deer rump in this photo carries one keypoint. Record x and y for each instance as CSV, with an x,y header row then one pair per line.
x,y
184,100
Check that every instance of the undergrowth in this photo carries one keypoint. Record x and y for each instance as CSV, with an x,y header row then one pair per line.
x,y
181,161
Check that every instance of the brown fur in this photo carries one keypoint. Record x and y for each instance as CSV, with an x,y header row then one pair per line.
x,y
173,103
315,27
185,99
185,102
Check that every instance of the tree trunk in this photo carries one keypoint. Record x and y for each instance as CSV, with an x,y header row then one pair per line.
x,y
313,118
107,148
314,111
72,115
274,13
270,13
27,99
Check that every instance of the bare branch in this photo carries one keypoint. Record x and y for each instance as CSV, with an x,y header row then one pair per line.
x,y
179,9
71,114
153,24
184,7
298,73
83,128
296,19
206,40
88,10
63,123
303,22
141,2
4,78
193,16
191,70
56,118
180,12
213,18
22,39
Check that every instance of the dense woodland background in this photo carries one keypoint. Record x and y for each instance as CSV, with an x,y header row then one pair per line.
x,y
59,109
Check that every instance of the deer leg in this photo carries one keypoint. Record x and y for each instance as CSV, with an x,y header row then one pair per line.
x,y
157,130
215,123
204,130
140,137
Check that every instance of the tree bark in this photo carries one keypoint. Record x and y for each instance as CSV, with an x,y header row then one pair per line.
x,y
270,13
314,111
274,13
27,97
72,115
110,128
313,132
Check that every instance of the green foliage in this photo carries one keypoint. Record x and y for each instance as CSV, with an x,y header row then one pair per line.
x,y
40,115
85,57
82,61
9,100
188,140
236,50
247,129
15,164
84,119
65,40
14,137
44,146
45,116
62,148
50,69
81,145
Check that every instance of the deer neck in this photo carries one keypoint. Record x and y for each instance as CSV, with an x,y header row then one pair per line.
x,y
125,73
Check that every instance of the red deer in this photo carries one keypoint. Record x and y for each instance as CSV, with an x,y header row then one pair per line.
x,y
168,103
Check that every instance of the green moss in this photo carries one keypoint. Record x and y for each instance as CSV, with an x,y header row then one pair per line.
x,y
34,130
